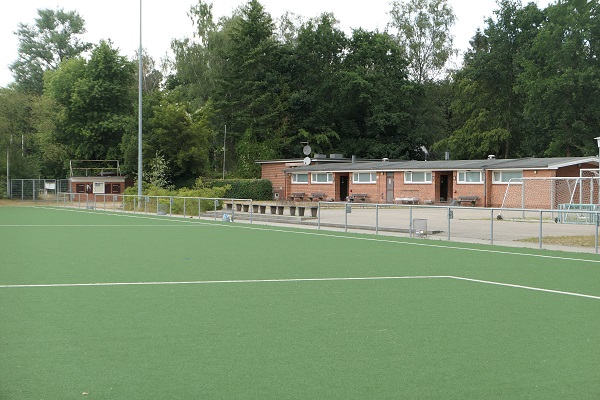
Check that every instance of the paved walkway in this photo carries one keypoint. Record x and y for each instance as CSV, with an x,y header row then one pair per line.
x,y
461,224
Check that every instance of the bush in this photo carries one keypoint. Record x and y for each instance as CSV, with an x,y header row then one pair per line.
x,y
177,204
255,189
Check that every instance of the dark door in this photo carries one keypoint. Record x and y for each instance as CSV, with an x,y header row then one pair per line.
x,y
389,187
343,187
444,187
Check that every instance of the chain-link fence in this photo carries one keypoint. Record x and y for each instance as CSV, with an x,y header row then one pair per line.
x,y
563,229
38,189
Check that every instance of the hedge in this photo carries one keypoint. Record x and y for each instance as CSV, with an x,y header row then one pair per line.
x,y
255,189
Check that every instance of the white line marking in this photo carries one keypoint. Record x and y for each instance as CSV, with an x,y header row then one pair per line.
x,y
340,235
589,296
91,225
370,278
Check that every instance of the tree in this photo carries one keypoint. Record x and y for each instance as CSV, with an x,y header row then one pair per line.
x,y
423,29
250,95
181,137
374,98
561,79
488,109
315,57
96,100
53,38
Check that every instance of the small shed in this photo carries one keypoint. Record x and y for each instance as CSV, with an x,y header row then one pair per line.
x,y
96,179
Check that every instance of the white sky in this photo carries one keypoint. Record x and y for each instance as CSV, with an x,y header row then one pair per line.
x,y
118,20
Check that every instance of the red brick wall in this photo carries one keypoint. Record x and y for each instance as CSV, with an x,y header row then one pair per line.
x,y
424,191
274,173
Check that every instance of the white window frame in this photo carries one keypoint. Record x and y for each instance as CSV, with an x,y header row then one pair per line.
x,y
295,179
356,178
501,181
427,175
328,179
98,188
462,179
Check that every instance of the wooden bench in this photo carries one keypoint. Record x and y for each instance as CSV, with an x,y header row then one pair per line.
x,y
406,200
299,196
465,199
358,196
317,196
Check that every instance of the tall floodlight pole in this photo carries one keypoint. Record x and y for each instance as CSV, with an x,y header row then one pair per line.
x,y
8,172
140,108
598,142
224,139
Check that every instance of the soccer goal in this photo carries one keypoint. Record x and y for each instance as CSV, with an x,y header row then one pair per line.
x,y
551,193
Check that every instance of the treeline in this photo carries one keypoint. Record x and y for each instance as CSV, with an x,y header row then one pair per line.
x,y
247,87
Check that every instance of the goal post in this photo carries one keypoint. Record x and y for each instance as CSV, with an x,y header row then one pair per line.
x,y
551,193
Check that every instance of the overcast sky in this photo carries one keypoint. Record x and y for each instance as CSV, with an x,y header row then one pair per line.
x,y
118,20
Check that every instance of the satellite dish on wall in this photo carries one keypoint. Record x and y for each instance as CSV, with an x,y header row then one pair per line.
x,y
306,161
306,150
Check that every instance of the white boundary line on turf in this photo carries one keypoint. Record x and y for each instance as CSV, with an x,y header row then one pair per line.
x,y
589,296
88,226
371,278
192,222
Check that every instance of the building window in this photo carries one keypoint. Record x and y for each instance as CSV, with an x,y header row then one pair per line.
x,y
364,177
470,177
506,176
99,187
80,188
417,177
321,178
299,178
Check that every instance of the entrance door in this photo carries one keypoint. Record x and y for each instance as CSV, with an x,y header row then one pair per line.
x,y
389,187
343,187
444,187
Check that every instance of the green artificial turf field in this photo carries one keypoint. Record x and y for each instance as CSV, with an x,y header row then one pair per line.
x,y
119,306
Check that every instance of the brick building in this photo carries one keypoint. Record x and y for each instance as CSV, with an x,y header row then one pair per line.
x,y
480,182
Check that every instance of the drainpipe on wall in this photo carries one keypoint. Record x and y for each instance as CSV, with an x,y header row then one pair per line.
x,y
485,203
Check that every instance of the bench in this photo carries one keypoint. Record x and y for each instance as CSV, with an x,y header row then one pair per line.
x,y
318,196
465,199
358,196
295,196
406,200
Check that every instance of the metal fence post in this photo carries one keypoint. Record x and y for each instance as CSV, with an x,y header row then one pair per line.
x,y
597,223
377,218
251,210
492,226
541,216
319,215
448,216
410,221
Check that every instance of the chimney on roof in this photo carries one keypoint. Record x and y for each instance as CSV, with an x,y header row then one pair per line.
x,y
353,158
492,157
385,159
447,155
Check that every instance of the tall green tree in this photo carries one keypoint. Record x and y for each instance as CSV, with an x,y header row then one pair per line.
x,y
20,122
52,39
488,109
250,93
423,29
374,98
181,137
561,79
96,100
316,57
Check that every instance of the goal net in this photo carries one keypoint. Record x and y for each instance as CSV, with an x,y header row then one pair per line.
x,y
552,193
